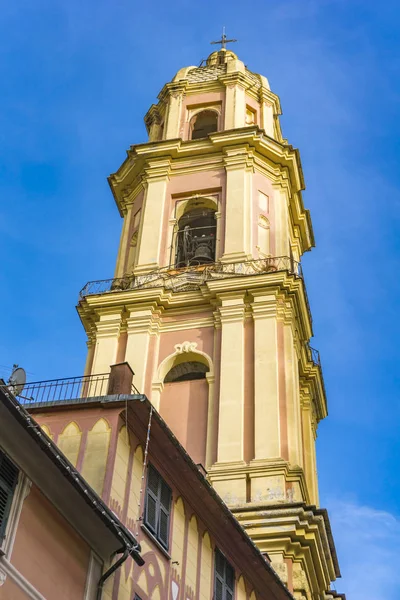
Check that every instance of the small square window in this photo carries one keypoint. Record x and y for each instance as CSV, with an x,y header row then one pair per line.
x,y
250,116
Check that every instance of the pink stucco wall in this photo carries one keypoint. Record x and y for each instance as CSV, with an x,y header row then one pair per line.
x,y
184,406
48,552
11,591
202,336
195,101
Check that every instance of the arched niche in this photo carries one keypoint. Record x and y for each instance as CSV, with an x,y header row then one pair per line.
x,y
46,430
203,123
96,453
69,441
186,403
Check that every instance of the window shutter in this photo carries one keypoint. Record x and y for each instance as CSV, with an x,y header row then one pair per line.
x,y
153,480
219,588
151,511
224,582
8,481
163,527
158,506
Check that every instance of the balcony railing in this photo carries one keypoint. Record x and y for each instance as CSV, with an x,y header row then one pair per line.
x,y
69,390
192,277
313,355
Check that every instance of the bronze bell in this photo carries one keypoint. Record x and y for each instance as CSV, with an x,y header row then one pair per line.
x,y
202,254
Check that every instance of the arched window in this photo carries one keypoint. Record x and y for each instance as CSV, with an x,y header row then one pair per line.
x,y
195,239
204,123
186,371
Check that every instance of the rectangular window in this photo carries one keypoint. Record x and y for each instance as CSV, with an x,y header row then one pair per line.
x,y
224,578
158,506
8,482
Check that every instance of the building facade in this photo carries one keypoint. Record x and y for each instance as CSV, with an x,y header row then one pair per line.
x,y
192,546
57,537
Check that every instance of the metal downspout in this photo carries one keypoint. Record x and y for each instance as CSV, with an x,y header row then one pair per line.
x,y
110,571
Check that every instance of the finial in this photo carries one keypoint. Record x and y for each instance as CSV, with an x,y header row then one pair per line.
x,y
223,41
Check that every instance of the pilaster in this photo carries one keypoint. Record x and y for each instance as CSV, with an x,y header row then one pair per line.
x,y
238,213
310,466
267,416
107,334
235,95
292,392
267,113
282,238
151,235
141,321
175,97
231,397
124,242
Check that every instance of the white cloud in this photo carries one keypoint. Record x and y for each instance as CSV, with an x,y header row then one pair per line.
x,y
368,546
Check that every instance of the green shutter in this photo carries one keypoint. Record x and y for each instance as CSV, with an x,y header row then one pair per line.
x,y
8,481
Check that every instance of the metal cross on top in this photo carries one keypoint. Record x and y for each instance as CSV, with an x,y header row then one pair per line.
x,y
223,41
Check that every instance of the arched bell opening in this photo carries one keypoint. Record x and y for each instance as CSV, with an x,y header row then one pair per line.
x,y
204,123
195,238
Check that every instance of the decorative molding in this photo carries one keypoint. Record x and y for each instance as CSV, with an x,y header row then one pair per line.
x,y
185,347
21,493
6,568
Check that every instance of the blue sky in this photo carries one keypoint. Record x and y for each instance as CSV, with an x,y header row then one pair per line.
x,y
76,79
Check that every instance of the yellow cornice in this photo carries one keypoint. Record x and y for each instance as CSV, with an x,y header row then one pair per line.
x,y
301,532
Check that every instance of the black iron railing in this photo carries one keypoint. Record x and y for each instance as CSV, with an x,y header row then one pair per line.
x,y
68,390
313,355
193,276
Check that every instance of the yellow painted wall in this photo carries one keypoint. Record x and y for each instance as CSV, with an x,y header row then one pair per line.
x,y
206,575
69,442
46,431
118,484
178,535
191,556
136,484
241,589
96,452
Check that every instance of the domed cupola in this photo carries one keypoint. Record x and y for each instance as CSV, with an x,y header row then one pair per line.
x,y
220,94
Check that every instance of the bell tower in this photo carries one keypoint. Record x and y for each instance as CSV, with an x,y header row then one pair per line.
x,y
208,305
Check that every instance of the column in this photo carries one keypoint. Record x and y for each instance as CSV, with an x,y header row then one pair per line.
x,y
139,324
266,377
151,233
231,397
239,168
